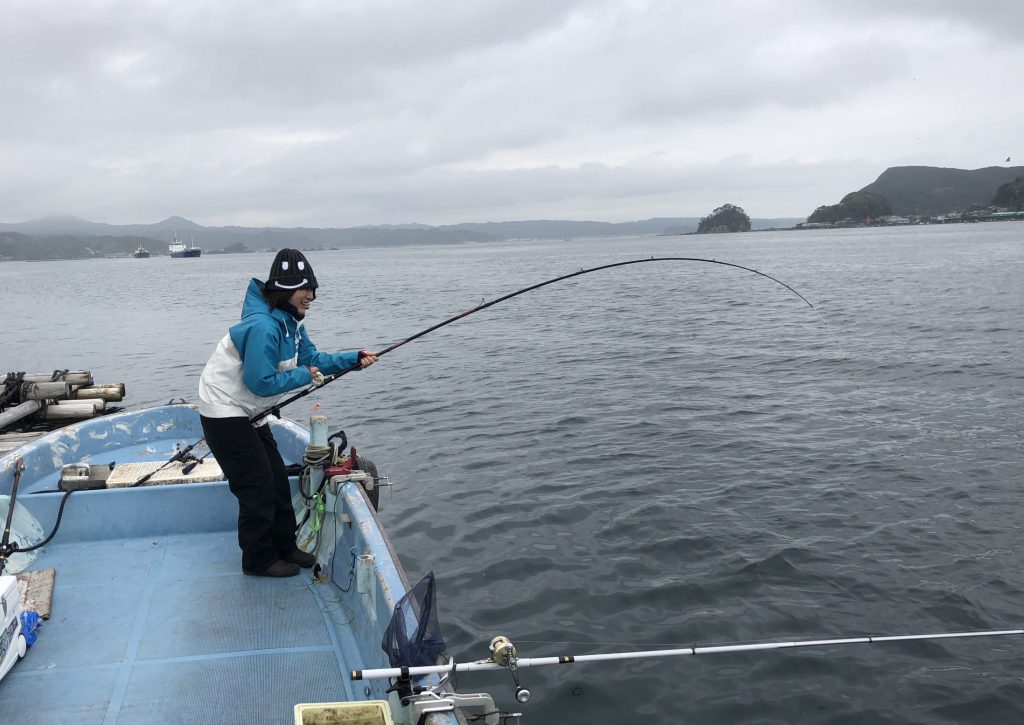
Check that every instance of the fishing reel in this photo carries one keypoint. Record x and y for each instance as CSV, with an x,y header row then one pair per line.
x,y
503,654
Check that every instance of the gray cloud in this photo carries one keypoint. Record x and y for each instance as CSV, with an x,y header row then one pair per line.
x,y
325,113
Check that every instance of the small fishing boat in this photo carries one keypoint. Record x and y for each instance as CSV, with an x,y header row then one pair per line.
x,y
177,248
151,618
141,252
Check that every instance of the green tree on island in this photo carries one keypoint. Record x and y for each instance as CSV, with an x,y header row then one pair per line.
x,y
857,205
726,218
1011,195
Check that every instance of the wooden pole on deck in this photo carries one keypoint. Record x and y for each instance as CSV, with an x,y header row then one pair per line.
x,y
12,415
72,397
111,392
56,391
73,409
49,391
79,377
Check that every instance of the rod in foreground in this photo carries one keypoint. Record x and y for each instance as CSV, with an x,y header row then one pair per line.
x,y
683,651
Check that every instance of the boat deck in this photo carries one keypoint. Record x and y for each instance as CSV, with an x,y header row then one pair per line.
x,y
169,630
152,619
9,440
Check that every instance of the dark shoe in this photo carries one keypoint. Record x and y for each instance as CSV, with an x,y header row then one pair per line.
x,y
278,568
301,558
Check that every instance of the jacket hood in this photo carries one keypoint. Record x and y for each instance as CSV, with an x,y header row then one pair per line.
x,y
254,302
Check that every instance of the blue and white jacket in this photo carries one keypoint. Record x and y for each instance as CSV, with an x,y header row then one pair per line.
x,y
261,358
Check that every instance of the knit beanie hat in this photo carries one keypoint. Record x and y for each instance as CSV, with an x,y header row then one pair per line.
x,y
291,271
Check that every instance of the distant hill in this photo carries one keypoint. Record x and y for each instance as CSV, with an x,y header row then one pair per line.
x,y
19,247
929,190
73,238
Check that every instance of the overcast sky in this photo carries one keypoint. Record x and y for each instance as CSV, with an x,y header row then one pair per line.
x,y
350,112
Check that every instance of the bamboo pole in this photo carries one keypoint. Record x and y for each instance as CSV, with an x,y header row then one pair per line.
x,y
111,392
74,397
12,415
73,409
80,377
49,391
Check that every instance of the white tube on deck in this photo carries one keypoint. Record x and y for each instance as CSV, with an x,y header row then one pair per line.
x,y
318,430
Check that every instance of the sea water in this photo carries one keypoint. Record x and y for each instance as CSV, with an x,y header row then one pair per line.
x,y
654,456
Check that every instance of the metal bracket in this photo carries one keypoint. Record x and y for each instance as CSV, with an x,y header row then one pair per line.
x,y
430,702
335,483
362,478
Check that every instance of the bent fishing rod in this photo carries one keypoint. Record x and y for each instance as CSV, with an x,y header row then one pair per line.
x,y
183,455
484,305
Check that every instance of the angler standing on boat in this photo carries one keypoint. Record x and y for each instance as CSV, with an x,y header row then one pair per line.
x,y
264,356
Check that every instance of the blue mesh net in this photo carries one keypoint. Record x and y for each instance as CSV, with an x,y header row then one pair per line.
x,y
413,637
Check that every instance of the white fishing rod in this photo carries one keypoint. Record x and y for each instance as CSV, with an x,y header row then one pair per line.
x,y
504,653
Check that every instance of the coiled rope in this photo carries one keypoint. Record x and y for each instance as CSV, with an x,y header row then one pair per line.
x,y
14,390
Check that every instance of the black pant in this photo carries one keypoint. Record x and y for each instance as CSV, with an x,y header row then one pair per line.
x,y
256,475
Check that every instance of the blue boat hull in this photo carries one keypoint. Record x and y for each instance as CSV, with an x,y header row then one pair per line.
x,y
152,619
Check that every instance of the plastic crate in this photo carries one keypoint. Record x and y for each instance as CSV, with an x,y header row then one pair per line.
x,y
367,712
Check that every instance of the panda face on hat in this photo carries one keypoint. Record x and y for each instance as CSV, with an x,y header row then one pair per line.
x,y
291,271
